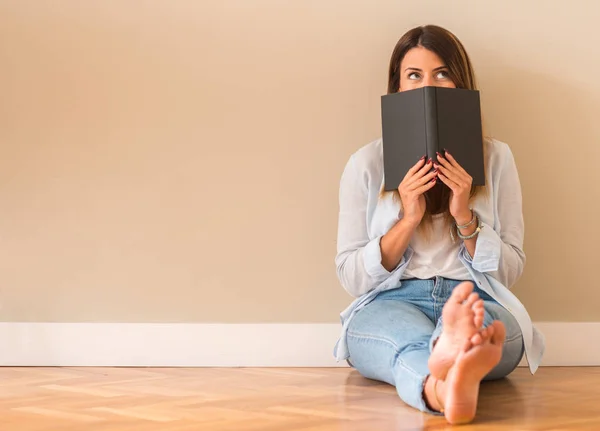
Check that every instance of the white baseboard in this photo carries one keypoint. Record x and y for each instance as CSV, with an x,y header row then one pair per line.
x,y
225,345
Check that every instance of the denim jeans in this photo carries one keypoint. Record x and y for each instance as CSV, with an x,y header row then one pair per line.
x,y
390,340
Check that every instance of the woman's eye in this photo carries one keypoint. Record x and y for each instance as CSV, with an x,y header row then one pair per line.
x,y
413,75
442,74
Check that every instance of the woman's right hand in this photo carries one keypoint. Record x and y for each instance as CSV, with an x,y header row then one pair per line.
x,y
416,182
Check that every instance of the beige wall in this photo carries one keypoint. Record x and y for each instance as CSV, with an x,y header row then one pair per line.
x,y
179,161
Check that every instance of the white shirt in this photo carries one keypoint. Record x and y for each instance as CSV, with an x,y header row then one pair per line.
x,y
365,216
436,255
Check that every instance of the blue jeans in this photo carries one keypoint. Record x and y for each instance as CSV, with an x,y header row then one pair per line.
x,y
390,340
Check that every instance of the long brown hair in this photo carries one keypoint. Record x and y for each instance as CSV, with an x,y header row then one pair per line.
x,y
460,70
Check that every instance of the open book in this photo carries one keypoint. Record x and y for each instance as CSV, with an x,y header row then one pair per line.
x,y
417,123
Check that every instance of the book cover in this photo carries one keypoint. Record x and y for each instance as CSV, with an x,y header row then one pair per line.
x,y
426,120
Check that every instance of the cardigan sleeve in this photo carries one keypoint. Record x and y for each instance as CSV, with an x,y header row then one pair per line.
x,y
358,258
499,249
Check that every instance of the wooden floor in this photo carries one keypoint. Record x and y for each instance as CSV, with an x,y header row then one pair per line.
x,y
180,399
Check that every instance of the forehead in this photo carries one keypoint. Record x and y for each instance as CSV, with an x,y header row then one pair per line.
x,y
420,57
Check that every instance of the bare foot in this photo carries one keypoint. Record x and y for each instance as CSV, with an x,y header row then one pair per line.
x,y
471,366
479,337
462,319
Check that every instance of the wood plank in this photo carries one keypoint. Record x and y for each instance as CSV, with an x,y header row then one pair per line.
x,y
269,399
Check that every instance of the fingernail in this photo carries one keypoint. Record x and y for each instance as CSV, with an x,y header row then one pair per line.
x,y
438,154
422,158
446,151
429,161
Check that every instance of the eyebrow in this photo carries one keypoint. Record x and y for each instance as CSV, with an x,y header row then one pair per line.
x,y
420,70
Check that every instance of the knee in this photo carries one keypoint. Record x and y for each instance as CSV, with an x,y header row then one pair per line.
x,y
372,357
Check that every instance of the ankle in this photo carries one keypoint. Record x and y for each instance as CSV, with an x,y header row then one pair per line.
x,y
432,394
436,395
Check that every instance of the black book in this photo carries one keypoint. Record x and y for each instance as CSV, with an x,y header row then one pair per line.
x,y
421,122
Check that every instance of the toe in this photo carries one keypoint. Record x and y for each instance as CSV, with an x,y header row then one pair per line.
x,y
478,305
479,311
472,299
477,339
485,333
461,292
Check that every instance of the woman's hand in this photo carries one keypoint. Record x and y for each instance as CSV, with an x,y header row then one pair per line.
x,y
459,181
417,181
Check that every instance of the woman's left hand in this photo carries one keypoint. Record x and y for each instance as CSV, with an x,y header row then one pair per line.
x,y
459,181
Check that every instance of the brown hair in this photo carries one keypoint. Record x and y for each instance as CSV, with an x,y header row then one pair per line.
x,y
460,70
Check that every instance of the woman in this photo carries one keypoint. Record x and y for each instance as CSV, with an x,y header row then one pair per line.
x,y
431,264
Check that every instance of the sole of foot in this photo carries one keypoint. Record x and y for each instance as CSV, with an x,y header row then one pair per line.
x,y
462,318
471,366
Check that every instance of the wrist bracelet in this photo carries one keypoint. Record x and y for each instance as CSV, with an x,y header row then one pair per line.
x,y
473,235
471,222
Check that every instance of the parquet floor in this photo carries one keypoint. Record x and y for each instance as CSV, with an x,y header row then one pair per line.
x,y
269,399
